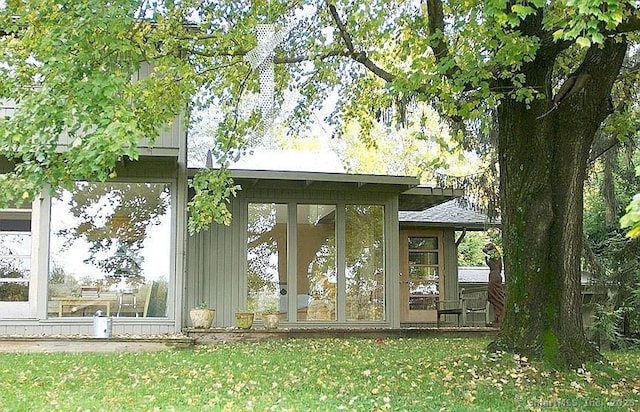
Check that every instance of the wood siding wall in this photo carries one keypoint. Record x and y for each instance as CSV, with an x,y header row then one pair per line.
x,y
216,266
169,141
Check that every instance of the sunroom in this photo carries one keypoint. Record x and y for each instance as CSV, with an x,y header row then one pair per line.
x,y
323,249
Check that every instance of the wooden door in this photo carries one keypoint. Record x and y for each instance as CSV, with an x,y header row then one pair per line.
x,y
420,277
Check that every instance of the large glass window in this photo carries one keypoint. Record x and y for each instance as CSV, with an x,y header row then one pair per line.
x,y
326,290
267,258
316,253
110,250
15,254
364,269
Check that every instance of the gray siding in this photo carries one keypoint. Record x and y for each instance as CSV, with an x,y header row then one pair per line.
x,y
83,327
168,142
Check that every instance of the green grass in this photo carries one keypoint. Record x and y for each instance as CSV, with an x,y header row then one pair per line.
x,y
315,374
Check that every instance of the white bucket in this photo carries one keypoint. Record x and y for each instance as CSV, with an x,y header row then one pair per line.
x,y
102,326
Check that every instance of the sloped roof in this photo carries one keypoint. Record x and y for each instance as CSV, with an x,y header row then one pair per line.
x,y
449,214
480,274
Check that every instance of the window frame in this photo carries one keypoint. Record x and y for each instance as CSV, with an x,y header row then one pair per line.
x,y
170,314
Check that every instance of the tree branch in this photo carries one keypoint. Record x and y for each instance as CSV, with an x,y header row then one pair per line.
x,y
277,59
435,14
631,24
359,56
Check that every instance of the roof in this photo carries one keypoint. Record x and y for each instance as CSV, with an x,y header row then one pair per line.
x,y
480,274
417,199
411,195
323,181
449,214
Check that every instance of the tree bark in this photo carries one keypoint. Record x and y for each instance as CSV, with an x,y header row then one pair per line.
x,y
543,159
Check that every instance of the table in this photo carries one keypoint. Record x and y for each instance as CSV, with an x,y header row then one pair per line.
x,y
83,302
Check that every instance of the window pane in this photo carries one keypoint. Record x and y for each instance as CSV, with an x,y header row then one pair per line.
x,y
110,249
316,255
423,258
267,258
15,254
423,243
365,262
423,272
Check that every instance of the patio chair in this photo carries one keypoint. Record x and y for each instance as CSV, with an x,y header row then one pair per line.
x,y
451,307
474,302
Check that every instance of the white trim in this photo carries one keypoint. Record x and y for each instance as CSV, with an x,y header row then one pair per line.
x,y
25,310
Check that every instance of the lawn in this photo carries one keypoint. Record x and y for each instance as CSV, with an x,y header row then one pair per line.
x,y
315,374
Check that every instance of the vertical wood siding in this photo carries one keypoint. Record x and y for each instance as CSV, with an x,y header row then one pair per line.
x,y
450,264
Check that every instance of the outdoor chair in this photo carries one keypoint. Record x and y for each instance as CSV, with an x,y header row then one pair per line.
x,y
474,302
469,302
450,307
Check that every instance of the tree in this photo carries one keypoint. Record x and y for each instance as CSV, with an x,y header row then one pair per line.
x,y
532,79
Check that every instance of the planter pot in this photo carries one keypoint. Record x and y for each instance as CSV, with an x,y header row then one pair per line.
x,y
271,320
244,320
202,318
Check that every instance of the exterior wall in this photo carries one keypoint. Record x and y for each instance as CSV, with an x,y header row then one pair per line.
x,y
450,264
169,141
217,262
146,169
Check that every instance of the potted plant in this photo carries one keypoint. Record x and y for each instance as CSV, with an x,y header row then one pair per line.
x,y
202,316
271,318
244,320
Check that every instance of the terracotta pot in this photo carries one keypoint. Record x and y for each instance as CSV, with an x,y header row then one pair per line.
x,y
202,318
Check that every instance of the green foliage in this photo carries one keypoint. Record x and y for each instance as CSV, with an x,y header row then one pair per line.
x,y
631,218
213,191
606,325
613,259
316,374
470,249
68,70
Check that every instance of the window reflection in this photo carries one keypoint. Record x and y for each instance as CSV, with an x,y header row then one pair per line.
x,y
267,258
15,254
316,253
365,262
110,249
424,281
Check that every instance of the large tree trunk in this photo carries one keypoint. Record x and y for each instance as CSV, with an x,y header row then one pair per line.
x,y
543,159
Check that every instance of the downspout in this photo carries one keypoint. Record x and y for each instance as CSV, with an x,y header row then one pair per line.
x,y
461,238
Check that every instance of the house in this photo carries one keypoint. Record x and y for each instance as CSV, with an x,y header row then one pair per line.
x,y
326,249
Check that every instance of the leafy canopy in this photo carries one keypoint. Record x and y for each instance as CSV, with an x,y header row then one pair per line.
x,y
71,67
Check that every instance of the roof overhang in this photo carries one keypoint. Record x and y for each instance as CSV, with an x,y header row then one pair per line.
x,y
320,181
423,197
411,195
